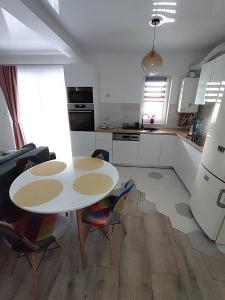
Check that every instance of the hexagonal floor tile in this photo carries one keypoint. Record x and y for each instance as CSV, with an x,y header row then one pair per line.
x,y
184,210
201,242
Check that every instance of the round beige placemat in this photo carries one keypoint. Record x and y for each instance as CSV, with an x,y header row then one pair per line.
x,y
48,168
93,184
38,192
88,163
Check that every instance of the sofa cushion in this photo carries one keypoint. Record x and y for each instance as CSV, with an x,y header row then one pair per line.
x,y
12,154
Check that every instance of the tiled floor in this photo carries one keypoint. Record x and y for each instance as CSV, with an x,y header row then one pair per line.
x,y
167,194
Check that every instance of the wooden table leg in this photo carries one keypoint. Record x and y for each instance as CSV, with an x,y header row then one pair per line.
x,y
81,232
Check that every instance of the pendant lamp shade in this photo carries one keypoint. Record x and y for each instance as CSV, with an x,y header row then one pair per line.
x,y
152,63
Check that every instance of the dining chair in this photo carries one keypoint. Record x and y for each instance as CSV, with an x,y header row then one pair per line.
x,y
9,212
31,235
101,154
107,212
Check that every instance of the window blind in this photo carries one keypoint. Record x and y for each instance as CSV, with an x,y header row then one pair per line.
x,y
155,89
155,97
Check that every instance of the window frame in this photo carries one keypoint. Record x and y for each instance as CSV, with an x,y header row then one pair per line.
x,y
166,103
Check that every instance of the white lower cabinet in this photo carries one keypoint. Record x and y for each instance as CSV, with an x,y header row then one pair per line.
x,y
83,143
125,152
149,149
104,141
168,147
186,162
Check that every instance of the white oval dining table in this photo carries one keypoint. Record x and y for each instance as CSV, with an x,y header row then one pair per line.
x,y
68,199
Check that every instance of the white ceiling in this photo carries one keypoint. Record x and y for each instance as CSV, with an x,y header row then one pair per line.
x,y
122,25
17,36
119,26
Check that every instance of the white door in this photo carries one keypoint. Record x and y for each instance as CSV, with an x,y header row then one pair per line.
x,y
125,152
208,189
149,149
83,143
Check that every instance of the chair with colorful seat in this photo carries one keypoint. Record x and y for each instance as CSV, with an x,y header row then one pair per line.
x,y
31,235
101,154
107,212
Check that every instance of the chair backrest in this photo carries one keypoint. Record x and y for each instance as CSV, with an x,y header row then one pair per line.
x,y
14,239
27,162
101,154
8,211
121,198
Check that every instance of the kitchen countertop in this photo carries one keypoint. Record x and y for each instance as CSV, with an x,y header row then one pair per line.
x,y
177,132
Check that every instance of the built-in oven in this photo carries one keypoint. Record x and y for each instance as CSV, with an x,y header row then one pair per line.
x,y
81,117
80,94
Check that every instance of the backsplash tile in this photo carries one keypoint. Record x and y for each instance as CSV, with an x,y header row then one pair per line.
x,y
205,112
117,113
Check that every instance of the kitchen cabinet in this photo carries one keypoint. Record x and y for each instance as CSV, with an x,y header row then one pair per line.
x,y
104,141
188,90
125,152
168,147
83,143
215,88
204,80
186,162
149,149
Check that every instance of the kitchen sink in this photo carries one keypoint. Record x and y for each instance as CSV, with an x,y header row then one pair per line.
x,y
156,130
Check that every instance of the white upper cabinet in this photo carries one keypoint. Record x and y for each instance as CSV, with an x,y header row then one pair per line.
x,y
212,81
215,88
204,80
187,96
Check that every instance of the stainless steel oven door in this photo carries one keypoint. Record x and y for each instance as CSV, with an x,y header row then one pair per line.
x,y
81,120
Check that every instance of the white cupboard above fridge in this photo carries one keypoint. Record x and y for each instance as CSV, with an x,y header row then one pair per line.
x,y
188,89
212,81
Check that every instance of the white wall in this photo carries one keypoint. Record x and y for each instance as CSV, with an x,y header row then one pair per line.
x,y
119,77
6,132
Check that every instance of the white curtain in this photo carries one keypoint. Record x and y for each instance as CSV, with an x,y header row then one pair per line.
x,y
43,108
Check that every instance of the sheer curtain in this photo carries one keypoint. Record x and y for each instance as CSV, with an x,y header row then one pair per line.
x,y
43,108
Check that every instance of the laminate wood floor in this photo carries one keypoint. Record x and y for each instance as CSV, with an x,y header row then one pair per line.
x,y
153,261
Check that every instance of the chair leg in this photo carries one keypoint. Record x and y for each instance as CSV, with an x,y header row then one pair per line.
x,y
13,259
60,244
34,271
123,225
110,231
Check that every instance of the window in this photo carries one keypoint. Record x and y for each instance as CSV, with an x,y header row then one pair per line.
x,y
43,108
156,98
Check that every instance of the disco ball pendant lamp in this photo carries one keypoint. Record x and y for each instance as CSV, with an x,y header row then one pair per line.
x,y
152,61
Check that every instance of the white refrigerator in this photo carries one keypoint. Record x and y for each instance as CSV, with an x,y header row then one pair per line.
x,y
208,198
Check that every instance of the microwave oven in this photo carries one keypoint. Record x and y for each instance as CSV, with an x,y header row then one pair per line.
x,y
80,94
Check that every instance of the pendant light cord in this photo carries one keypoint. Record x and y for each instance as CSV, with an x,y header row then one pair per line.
x,y
153,44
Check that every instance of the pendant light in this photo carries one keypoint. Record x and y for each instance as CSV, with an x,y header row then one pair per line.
x,y
152,61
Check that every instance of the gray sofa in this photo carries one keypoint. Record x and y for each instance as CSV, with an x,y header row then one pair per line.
x,y
8,211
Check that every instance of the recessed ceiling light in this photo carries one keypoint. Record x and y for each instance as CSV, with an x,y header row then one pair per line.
x,y
165,3
169,11
163,20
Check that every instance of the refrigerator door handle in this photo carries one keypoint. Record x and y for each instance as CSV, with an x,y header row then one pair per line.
x,y
222,205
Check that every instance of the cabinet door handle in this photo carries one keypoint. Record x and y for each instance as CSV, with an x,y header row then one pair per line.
x,y
222,205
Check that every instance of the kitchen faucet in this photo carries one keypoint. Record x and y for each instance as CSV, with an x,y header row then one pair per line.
x,y
142,120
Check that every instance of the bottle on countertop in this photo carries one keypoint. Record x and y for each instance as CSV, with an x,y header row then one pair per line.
x,y
152,119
